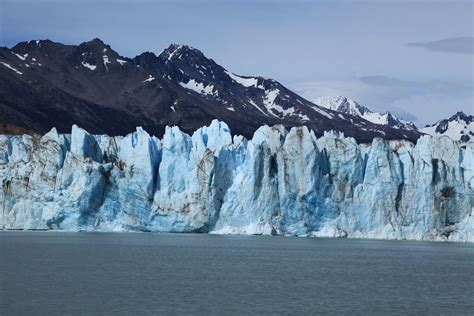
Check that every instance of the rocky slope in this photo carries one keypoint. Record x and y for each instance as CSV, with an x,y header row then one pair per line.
x,y
279,182
45,84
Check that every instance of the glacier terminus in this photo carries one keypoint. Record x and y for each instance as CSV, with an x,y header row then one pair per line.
x,y
278,182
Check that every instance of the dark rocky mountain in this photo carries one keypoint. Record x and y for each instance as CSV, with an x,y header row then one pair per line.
x,y
46,84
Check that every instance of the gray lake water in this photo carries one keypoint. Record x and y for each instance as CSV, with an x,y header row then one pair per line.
x,y
51,273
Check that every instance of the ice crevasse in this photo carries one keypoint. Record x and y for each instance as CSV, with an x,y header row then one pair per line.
x,y
280,182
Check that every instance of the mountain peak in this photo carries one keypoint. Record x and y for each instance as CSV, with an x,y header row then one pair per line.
x,y
461,116
459,127
36,45
183,63
457,117
342,104
96,41
349,106
180,51
181,47
95,44
96,53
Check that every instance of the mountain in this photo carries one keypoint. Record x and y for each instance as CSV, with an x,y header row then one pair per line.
x,y
46,84
459,127
279,182
348,106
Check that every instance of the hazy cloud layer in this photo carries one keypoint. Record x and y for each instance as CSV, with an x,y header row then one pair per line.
x,y
421,87
379,80
459,45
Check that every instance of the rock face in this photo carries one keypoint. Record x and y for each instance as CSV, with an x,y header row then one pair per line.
x,y
279,182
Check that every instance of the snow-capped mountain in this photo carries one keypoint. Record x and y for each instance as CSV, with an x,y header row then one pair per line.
x,y
348,106
459,127
46,84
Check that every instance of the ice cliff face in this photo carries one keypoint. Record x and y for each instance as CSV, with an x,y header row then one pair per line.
x,y
279,182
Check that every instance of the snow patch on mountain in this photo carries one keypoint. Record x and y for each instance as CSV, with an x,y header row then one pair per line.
x,y
11,68
257,107
121,61
199,87
106,61
20,56
269,101
322,112
244,81
89,66
171,51
303,117
149,79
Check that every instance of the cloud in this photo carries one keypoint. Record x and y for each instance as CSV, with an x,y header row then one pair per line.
x,y
419,87
386,81
458,45
374,96
433,107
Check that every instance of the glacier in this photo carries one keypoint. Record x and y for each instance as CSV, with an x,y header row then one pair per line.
x,y
280,182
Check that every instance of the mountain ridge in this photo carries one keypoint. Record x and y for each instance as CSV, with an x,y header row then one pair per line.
x,y
459,127
93,86
349,106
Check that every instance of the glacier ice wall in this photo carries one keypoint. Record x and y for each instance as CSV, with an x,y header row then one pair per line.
x,y
279,182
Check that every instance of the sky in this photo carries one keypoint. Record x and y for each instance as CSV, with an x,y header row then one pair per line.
x,y
412,58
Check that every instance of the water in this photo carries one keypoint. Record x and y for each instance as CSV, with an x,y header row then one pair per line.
x,y
49,273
